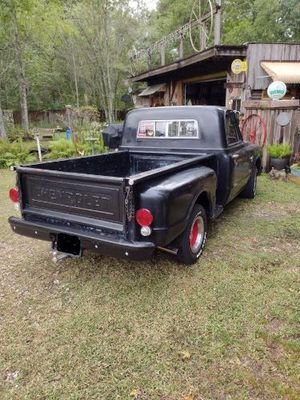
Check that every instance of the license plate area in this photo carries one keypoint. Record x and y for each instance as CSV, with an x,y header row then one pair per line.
x,y
68,244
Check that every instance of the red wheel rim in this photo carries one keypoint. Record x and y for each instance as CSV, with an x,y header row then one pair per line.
x,y
197,234
254,129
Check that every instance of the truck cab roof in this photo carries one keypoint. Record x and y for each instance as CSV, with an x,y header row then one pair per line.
x,y
178,127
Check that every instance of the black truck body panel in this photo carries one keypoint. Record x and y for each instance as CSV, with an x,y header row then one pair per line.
x,y
95,198
172,199
101,201
111,245
210,120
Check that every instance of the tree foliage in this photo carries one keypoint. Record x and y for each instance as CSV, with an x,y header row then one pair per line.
x,y
242,20
260,20
59,52
70,52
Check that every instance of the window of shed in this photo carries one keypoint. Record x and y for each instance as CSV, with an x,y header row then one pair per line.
x,y
168,129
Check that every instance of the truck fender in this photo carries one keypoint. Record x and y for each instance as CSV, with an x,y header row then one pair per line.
x,y
206,200
179,193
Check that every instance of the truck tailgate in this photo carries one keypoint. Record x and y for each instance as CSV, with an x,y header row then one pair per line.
x,y
86,199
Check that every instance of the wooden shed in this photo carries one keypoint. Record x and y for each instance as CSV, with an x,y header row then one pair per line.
x,y
210,77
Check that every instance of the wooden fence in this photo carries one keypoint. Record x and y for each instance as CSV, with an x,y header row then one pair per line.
x,y
53,117
269,111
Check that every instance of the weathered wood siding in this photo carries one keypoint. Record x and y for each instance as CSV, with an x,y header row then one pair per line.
x,y
176,93
257,52
269,111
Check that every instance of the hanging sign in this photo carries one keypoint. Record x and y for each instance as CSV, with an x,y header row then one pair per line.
x,y
276,90
238,66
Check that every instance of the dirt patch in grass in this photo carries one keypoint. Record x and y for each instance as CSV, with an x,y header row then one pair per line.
x,y
102,328
276,211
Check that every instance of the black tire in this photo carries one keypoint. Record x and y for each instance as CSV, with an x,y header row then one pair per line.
x,y
186,253
250,190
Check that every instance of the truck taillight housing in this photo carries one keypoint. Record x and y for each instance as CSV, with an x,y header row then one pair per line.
x,y
14,195
144,217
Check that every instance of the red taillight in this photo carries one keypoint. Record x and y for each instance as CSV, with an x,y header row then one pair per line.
x,y
144,217
14,195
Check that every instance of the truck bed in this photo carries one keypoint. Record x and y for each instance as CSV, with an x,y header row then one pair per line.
x,y
119,164
89,192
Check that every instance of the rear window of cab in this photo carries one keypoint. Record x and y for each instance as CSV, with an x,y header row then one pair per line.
x,y
168,129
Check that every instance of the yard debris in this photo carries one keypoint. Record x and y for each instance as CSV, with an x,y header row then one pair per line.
x,y
188,397
135,393
185,355
12,376
139,394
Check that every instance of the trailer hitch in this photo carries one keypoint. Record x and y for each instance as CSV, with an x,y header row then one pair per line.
x,y
59,256
65,246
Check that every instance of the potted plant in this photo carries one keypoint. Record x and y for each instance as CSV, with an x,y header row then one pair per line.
x,y
280,155
295,167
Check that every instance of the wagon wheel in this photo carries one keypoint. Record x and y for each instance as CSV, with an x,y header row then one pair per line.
x,y
201,24
254,129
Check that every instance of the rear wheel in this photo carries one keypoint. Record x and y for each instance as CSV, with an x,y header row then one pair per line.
x,y
192,240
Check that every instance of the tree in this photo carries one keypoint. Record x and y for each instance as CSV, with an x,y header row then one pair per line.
x,y
243,20
11,17
61,52
20,73
103,32
255,20
68,52
2,127
5,67
290,17
31,28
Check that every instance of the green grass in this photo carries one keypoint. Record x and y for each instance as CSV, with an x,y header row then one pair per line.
x,y
102,328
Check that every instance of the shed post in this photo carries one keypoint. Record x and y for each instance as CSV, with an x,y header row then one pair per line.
x,y
218,23
181,47
162,55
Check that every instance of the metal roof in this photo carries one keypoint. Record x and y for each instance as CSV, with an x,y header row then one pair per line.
x,y
215,52
153,89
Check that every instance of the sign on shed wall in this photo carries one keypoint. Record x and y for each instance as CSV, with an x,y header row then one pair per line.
x,y
238,66
276,90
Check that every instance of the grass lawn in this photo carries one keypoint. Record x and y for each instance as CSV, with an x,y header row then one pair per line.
x,y
102,328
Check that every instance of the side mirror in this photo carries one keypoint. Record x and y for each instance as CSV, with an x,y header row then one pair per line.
x,y
112,136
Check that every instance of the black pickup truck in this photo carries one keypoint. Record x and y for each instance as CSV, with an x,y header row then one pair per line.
x,y
175,168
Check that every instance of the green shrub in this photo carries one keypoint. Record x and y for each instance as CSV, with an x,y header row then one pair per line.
x,y
16,133
280,150
61,148
18,152
80,146
14,153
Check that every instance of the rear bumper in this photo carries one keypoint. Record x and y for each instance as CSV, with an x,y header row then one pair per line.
x,y
89,241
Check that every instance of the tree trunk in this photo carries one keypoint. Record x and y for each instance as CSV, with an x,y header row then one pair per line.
x,y
109,91
21,77
75,78
2,127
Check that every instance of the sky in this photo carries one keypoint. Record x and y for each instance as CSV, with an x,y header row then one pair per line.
x,y
151,4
